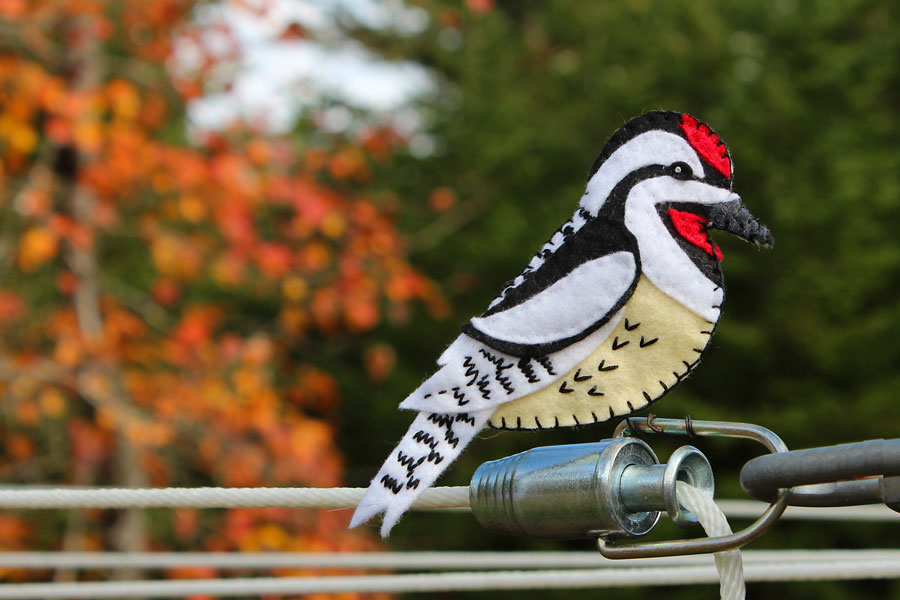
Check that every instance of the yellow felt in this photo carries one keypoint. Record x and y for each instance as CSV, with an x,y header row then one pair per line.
x,y
641,374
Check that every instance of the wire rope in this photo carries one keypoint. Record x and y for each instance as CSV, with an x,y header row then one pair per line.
x,y
888,568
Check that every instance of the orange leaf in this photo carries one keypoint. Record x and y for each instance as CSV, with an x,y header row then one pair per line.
x,y
442,199
295,288
379,360
36,247
274,259
53,403
11,306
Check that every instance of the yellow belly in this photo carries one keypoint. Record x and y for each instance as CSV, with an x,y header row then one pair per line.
x,y
654,346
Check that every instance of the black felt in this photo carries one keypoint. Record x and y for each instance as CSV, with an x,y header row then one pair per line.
x,y
664,120
602,235
597,237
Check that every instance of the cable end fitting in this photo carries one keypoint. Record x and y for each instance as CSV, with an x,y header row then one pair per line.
x,y
613,488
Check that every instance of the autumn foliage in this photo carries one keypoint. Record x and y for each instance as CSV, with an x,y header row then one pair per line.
x,y
165,298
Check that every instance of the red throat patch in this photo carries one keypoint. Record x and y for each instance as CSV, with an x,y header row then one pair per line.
x,y
707,144
693,228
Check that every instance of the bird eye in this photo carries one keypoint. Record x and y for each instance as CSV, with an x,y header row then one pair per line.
x,y
681,170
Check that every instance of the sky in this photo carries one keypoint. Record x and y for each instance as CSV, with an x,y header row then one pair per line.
x,y
275,78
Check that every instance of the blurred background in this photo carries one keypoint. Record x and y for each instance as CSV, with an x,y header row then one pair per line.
x,y
234,235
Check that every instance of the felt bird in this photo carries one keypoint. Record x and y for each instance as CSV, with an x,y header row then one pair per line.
x,y
612,312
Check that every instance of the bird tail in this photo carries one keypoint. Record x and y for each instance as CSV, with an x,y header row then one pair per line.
x,y
432,442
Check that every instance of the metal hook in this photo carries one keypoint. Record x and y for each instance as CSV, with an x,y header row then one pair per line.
x,y
652,425
689,427
703,545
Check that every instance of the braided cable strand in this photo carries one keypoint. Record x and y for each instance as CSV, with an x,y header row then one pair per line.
x,y
445,497
728,564
777,570
35,497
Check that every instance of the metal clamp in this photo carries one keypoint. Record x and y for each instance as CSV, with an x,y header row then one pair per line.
x,y
703,545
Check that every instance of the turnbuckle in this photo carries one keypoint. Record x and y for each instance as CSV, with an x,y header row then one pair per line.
x,y
613,489
688,426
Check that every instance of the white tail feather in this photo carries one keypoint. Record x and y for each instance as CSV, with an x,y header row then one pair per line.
x,y
432,442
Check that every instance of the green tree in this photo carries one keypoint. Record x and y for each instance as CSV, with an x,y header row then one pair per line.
x,y
805,95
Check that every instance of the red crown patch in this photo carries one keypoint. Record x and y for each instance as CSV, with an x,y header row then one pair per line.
x,y
707,144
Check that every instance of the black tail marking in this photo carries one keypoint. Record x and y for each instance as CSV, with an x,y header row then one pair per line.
x,y
484,387
464,418
426,439
500,366
460,397
524,365
392,484
471,370
547,364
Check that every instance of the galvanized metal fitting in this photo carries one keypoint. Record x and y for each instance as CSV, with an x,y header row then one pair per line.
x,y
613,488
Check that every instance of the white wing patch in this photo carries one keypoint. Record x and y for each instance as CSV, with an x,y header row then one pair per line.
x,y
555,242
567,307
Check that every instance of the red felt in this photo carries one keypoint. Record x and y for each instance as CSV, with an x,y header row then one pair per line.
x,y
693,228
707,144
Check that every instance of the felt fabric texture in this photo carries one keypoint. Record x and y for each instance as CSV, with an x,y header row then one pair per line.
x,y
707,144
663,260
652,349
610,314
474,376
432,442
647,149
590,292
580,241
693,228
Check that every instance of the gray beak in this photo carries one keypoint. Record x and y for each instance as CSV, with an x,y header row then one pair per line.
x,y
734,217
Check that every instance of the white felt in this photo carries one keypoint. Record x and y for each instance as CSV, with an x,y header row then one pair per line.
x,y
464,362
426,438
474,379
662,260
566,308
650,148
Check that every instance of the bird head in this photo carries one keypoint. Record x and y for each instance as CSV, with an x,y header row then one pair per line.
x,y
668,172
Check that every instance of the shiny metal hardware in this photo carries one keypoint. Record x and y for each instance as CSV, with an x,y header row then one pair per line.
x,y
703,545
649,487
614,488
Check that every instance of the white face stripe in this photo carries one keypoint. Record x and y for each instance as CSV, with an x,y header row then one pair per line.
x,y
668,189
663,262
650,148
